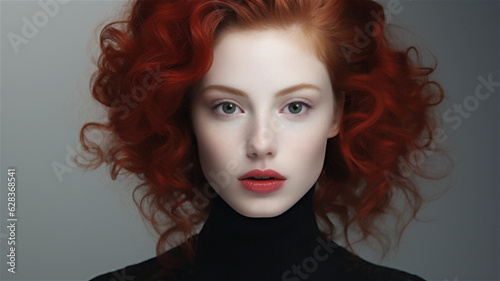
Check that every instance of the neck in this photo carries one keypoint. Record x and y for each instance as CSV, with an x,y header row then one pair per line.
x,y
231,244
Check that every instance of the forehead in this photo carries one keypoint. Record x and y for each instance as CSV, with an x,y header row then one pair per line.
x,y
274,58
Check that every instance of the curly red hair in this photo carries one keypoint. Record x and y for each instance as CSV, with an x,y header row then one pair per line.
x,y
151,58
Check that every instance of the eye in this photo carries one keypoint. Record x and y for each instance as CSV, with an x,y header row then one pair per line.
x,y
226,108
297,108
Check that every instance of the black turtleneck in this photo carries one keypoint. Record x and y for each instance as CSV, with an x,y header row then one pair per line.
x,y
234,247
287,247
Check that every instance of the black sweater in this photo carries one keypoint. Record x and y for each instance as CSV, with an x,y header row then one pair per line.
x,y
287,247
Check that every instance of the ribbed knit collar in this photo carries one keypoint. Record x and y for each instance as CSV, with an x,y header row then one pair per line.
x,y
234,247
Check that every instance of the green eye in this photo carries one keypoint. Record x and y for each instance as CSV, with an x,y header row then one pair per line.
x,y
295,108
228,108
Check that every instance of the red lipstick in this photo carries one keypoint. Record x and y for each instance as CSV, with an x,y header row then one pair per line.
x,y
262,181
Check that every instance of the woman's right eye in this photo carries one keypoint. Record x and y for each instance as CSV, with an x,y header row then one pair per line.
x,y
226,108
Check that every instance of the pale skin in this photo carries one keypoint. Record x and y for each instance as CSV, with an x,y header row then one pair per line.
x,y
266,103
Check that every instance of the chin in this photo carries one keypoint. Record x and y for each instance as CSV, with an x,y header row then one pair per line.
x,y
263,209
261,214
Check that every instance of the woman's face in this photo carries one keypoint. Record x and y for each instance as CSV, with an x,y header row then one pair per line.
x,y
265,104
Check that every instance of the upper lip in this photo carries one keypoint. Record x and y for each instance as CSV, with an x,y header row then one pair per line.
x,y
262,173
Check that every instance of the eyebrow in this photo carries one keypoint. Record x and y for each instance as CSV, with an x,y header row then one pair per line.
x,y
234,91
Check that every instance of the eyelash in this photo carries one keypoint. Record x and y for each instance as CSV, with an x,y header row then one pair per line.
x,y
303,102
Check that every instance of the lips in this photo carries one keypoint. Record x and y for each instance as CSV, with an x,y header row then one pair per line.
x,y
262,181
259,174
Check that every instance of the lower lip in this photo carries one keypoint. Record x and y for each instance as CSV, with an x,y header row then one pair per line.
x,y
262,186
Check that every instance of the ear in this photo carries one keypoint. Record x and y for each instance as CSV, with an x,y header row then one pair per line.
x,y
337,116
334,129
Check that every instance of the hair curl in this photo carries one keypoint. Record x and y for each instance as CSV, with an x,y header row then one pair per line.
x,y
151,58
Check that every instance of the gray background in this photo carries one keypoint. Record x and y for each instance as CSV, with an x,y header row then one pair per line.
x,y
83,224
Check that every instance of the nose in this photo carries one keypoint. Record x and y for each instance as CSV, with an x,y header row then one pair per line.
x,y
261,139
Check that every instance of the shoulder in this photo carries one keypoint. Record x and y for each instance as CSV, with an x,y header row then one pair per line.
x,y
141,271
148,270
360,269
374,272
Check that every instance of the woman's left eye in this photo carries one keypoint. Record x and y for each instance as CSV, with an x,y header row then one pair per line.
x,y
296,108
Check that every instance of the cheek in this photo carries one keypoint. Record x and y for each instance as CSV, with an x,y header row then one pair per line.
x,y
216,149
309,147
312,149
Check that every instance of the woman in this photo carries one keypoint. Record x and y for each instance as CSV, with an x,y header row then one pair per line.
x,y
256,120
